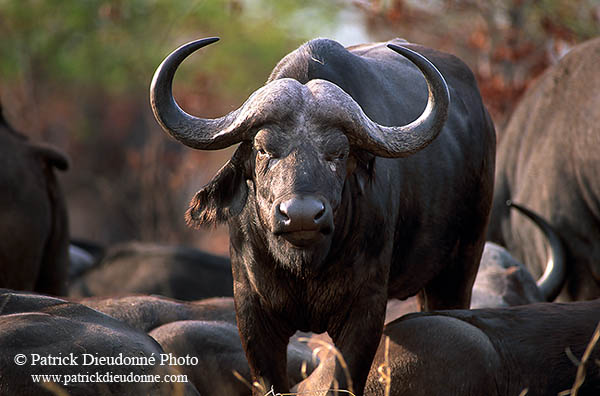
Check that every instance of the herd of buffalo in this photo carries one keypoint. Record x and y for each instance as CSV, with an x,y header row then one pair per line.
x,y
371,206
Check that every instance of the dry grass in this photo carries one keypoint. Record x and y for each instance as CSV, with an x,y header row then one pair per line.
x,y
329,347
273,393
54,388
581,366
384,370
323,345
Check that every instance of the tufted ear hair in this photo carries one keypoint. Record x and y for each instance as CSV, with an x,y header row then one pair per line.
x,y
224,196
363,168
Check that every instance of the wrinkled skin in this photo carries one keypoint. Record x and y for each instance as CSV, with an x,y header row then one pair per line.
x,y
33,218
382,227
548,161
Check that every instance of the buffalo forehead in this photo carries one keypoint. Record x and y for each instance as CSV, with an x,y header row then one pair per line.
x,y
287,101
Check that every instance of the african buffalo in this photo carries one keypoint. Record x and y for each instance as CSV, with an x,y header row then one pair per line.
x,y
60,338
548,161
330,208
503,281
147,268
34,234
483,352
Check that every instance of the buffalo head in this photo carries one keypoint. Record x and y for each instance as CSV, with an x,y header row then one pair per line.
x,y
298,147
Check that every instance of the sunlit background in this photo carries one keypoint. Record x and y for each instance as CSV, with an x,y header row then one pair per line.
x,y
76,73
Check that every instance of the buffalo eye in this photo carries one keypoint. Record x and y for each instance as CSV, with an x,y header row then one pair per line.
x,y
267,158
334,159
263,154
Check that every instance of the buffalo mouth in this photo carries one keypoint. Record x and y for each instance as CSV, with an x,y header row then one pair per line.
x,y
305,238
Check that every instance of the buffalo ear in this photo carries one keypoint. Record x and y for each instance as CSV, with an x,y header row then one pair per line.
x,y
53,156
224,196
363,168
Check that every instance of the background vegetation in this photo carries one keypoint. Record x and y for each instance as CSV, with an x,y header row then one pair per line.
x,y
76,73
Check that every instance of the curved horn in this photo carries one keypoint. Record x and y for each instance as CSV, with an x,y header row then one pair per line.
x,y
401,141
555,275
198,133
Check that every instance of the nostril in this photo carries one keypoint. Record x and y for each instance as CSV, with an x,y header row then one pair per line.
x,y
320,213
282,212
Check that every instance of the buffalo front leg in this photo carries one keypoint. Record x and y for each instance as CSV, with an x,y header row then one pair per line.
x,y
357,341
265,343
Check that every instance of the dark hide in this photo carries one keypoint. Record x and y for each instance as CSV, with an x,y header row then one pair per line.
x,y
218,342
205,329
501,281
398,227
35,324
484,352
219,345
33,217
141,268
548,161
146,313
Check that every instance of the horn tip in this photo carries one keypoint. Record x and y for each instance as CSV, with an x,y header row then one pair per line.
x,y
395,47
203,42
197,44
400,49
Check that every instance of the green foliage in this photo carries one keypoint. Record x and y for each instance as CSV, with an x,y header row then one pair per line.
x,y
117,44
578,18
